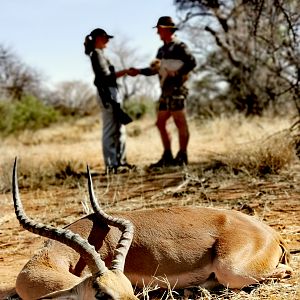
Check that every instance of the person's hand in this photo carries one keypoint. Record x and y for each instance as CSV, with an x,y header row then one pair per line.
x,y
155,65
133,72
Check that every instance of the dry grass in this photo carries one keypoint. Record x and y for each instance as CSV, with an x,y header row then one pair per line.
x,y
264,156
251,146
234,163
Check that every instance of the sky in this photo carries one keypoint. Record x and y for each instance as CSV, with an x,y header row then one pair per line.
x,y
48,35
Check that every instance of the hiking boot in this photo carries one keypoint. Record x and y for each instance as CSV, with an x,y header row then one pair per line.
x,y
181,158
166,160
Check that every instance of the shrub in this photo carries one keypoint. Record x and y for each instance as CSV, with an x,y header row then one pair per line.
x,y
29,113
138,108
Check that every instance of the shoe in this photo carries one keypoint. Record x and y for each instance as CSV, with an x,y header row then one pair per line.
x,y
125,168
181,158
166,160
122,168
111,170
128,166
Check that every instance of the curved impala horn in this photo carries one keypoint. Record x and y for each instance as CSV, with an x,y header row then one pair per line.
x,y
65,236
125,226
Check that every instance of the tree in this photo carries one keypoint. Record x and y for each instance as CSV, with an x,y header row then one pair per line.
x,y
124,56
16,78
256,49
73,97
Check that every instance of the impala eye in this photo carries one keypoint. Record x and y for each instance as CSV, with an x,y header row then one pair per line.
x,y
103,296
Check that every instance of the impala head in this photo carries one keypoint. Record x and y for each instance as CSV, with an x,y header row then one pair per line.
x,y
103,283
112,285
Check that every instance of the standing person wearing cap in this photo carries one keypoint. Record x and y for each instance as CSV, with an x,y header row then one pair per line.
x,y
173,63
113,118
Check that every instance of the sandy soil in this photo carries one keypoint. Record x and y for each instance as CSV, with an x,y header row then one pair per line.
x,y
275,199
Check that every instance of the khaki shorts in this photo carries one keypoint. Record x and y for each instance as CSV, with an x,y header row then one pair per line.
x,y
173,102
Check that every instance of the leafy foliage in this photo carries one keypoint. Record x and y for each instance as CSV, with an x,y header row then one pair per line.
x,y
254,48
137,108
30,113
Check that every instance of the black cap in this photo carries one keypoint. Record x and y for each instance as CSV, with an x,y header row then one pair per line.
x,y
165,22
100,32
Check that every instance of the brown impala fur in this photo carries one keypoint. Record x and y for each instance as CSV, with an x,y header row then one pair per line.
x,y
191,246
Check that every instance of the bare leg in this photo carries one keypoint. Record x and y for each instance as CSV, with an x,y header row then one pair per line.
x,y
161,123
183,130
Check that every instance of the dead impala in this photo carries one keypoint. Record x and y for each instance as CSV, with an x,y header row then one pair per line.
x,y
190,246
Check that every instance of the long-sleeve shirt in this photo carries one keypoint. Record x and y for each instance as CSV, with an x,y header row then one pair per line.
x,y
105,77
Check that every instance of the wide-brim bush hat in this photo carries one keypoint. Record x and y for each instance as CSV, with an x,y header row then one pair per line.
x,y
165,22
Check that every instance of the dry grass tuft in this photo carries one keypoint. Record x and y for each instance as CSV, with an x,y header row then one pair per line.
x,y
261,157
270,291
31,176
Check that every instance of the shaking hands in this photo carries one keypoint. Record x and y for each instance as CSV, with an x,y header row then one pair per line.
x,y
133,72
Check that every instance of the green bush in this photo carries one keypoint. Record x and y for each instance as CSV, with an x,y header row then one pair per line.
x,y
29,113
138,108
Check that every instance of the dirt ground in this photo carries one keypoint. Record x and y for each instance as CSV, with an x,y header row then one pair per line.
x,y
275,199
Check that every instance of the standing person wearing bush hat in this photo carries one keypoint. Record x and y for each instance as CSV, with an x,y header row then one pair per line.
x,y
173,63
113,118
